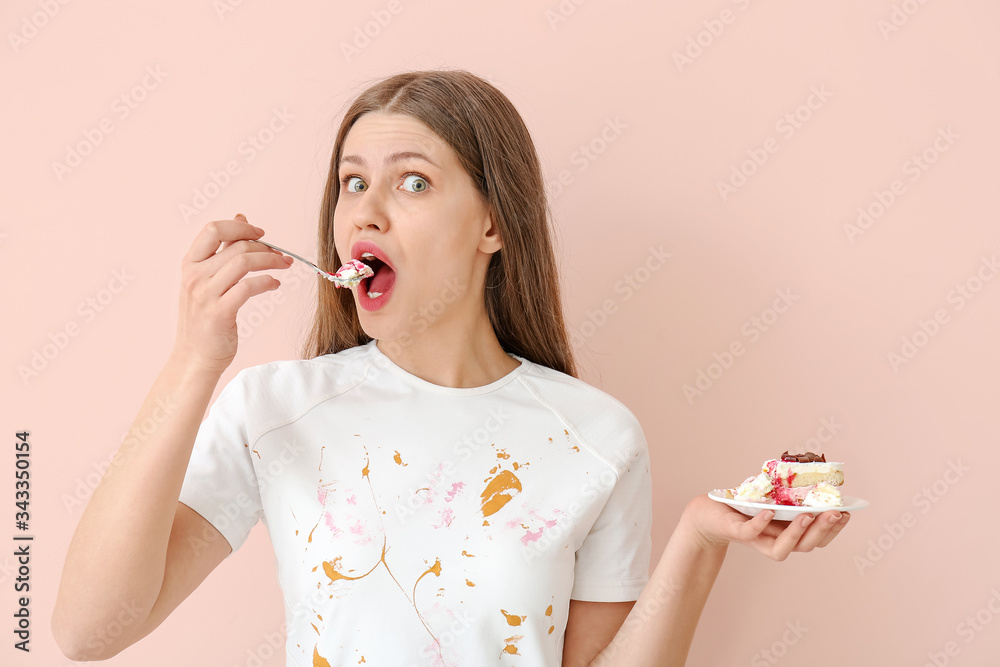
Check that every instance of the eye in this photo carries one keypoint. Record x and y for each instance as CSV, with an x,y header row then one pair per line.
x,y
415,183
354,184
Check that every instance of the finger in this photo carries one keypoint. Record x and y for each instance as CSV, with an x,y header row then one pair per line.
x,y
755,527
817,532
239,265
219,231
230,249
785,543
840,524
240,293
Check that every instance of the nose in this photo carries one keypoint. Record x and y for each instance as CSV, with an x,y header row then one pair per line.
x,y
370,212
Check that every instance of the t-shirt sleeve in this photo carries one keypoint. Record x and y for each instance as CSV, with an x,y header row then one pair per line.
x,y
220,483
612,564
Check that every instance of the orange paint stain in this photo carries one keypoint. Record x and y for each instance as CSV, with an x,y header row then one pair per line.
x,y
311,532
436,570
466,553
469,583
511,648
551,629
486,523
315,628
364,471
550,439
494,469
318,660
576,448
513,619
516,465
330,567
499,492
361,660
254,450
321,449
548,612
399,460
502,454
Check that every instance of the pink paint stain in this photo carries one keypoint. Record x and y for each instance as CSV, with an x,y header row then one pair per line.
x,y
455,488
353,500
321,495
358,529
447,516
548,522
331,525
532,537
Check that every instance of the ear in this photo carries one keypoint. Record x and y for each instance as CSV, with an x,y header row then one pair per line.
x,y
490,240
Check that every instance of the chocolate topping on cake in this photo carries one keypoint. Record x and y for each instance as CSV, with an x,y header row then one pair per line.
x,y
808,457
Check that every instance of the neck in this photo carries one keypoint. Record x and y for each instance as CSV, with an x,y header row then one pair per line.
x,y
452,354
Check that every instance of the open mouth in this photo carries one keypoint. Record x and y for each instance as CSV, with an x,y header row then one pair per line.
x,y
373,292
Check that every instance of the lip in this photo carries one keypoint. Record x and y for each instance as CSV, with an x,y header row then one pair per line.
x,y
369,304
366,302
361,247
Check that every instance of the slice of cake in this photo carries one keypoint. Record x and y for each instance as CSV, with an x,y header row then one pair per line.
x,y
794,479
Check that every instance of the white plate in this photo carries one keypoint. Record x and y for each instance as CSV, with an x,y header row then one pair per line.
x,y
786,512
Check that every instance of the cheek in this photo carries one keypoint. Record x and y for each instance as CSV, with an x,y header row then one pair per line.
x,y
340,237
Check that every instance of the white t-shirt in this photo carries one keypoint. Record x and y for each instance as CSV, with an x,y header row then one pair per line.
x,y
415,524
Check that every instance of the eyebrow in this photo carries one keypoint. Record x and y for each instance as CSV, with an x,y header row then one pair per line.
x,y
398,156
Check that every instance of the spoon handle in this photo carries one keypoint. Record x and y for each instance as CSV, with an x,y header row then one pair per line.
x,y
292,254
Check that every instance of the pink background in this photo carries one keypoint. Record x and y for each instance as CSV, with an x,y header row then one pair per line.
x,y
899,583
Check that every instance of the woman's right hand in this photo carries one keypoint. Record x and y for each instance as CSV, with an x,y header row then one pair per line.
x,y
214,286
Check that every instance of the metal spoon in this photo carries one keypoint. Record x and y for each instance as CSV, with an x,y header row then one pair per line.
x,y
339,282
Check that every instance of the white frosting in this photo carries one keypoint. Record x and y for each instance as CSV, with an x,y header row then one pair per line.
x,y
823,495
754,488
782,468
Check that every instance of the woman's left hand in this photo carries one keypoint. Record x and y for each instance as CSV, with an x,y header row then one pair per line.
x,y
717,525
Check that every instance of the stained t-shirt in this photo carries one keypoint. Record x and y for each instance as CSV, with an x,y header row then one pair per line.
x,y
415,524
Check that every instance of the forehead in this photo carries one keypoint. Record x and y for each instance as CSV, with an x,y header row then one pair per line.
x,y
377,134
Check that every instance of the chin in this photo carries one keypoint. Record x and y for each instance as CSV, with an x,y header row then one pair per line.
x,y
380,327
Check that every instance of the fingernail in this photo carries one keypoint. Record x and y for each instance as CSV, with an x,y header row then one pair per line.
x,y
834,518
240,215
289,260
808,519
260,232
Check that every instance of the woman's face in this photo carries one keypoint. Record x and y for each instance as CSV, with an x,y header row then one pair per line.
x,y
405,199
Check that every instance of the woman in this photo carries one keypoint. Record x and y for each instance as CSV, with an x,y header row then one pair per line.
x,y
438,486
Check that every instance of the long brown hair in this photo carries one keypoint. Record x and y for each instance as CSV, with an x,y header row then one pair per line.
x,y
495,148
